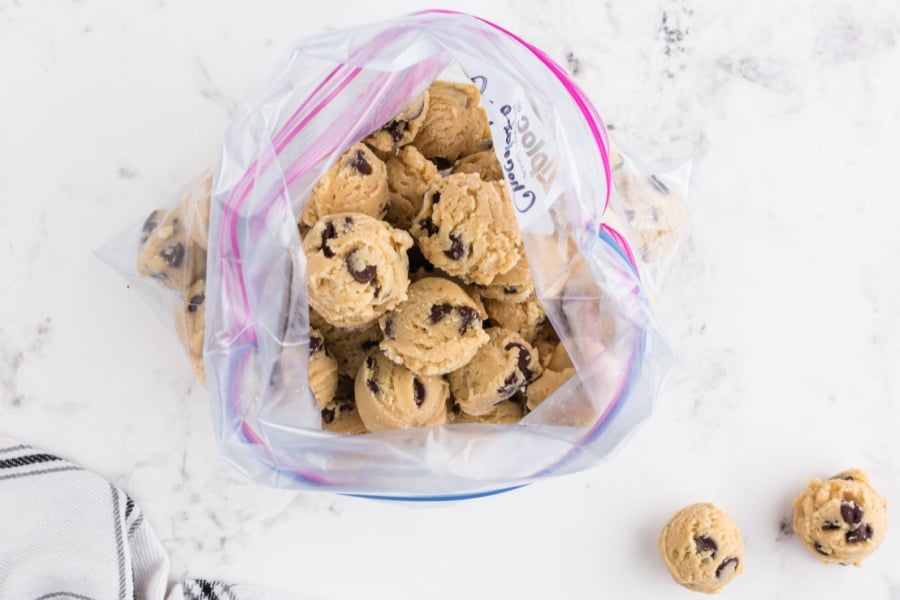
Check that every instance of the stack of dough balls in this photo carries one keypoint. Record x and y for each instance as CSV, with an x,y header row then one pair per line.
x,y
422,308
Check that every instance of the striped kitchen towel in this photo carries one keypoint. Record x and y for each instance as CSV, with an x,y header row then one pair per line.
x,y
68,534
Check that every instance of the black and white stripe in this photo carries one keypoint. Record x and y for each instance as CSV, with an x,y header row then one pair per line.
x,y
22,460
201,589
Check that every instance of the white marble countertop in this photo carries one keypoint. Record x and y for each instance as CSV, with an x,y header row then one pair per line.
x,y
781,309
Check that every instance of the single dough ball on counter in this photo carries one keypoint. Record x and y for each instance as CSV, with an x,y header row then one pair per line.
x,y
323,370
467,227
483,163
438,329
390,396
402,129
655,214
505,413
357,268
357,183
455,124
702,548
841,520
499,369
409,175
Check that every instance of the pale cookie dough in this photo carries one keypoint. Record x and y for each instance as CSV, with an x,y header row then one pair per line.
x,y
513,286
702,548
323,370
390,396
438,329
541,388
409,174
341,415
499,369
350,347
166,254
841,520
655,214
190,324
357,183
468,228
455,124
357,268
525,318
505,413
484,163
402,129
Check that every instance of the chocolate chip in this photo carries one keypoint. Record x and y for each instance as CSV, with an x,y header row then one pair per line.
x,y
468,315
373,386
728,567
368,345
173,255
397,129
195,302
428,225
508,289
435,197
851,512
389,329
418,392
150,224
365,275
457,248
370,362
659,185
417,260
348,222
524,366
487,323
860,534
360,163
820,549
315,344
456,408
509,386
327,234
328,415
830,526
706,544
441,163
438,312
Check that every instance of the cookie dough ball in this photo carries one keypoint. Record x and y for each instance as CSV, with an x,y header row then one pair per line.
x,y
350,347
402,129
357,182
409,174
484,163
525,318
468,228
702,548
541,388
341,414
455,124
499,369
190,324
166,252
505,413
357,268
513,286
323,370
438,329
841,520
655,214
390,396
